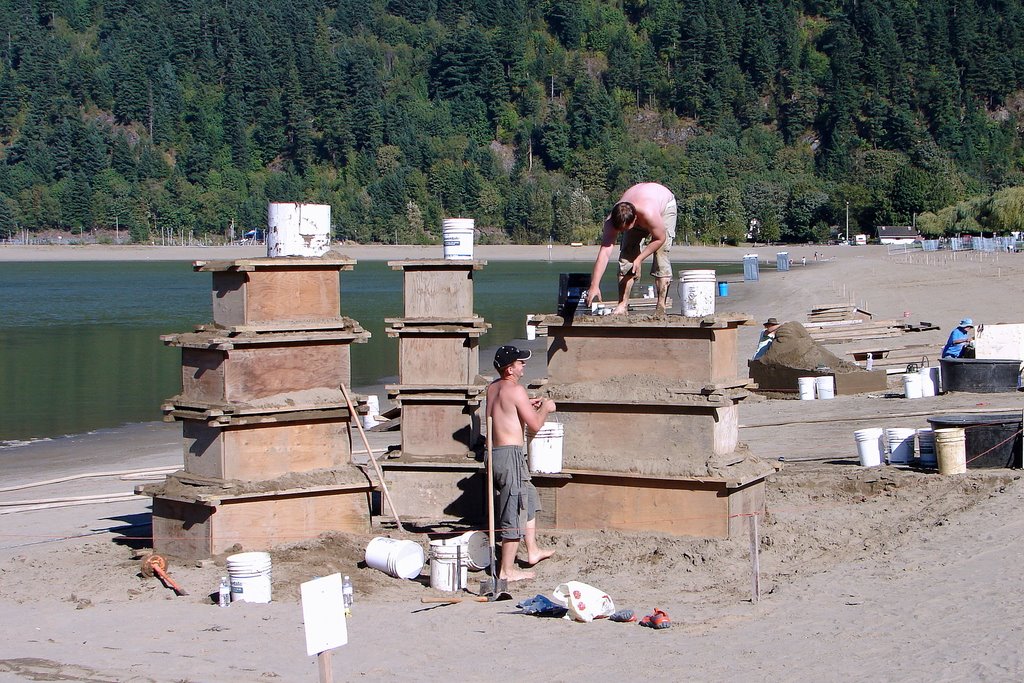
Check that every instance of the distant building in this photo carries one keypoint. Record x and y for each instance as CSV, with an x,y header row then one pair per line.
x,y
897,234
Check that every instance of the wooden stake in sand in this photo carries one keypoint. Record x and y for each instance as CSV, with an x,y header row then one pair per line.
x,y
369,452
755,560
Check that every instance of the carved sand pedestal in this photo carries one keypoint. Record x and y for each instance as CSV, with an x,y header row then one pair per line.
x,y
265,426
650,413
437,475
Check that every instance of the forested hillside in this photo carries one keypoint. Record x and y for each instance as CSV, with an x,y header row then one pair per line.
x,y
528,115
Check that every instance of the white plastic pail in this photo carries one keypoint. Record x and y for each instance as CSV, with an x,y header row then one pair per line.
x,y
295,229
372,411
926,447
912,385
478,549
806,387
544,448
825,386
249,574
401,559
869,446
457,234
448,565
929,381
697,293
901,445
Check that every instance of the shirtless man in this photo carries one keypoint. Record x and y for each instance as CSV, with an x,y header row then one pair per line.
x,y
645,211
509,409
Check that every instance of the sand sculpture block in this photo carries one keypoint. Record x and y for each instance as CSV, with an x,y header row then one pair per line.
x,y
440,423
597,348
655,439
437,491
705,508
438,354
194,529
258,368
438,288
250,292
255,452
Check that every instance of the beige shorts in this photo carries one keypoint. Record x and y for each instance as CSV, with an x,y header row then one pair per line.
x,y
634,239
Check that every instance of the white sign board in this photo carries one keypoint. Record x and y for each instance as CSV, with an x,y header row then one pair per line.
x,y
323,613
1004,341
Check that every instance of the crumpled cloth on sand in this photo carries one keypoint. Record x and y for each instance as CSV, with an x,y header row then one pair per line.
x,y
541,607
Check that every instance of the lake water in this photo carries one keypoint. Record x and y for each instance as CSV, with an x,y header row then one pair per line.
x,y
80,342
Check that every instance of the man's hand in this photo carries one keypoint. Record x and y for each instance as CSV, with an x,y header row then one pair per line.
x,y
593,294
637,265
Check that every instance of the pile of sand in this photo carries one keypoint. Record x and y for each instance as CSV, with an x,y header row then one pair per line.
x,y
794,348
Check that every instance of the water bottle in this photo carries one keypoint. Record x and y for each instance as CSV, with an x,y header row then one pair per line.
x,y
346,592
224,594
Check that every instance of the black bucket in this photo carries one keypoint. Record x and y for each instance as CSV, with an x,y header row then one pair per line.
x,y
991,440
980,375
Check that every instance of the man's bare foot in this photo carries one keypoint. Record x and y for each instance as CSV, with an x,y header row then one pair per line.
x,y
659,312
517,575
541,555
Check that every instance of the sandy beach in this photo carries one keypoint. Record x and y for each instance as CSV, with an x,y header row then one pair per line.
x,y
866,573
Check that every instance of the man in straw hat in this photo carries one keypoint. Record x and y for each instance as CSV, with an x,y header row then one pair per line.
x,y
767,337
645,212
959,343
510,409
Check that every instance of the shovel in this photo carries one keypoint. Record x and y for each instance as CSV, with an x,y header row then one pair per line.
x,y
493,588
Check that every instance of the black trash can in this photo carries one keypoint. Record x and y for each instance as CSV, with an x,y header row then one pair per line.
x,y
980,375
992,440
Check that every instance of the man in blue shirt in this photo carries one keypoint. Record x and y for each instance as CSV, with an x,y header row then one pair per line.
x,y
957,344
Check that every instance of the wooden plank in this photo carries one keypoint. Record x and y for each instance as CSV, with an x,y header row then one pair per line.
x,y
444,292
448,430
264,451
194,531
286,262
609,502
268,295
438,359
250,374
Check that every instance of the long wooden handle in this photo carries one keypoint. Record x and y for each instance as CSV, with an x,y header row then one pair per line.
x,y
369,452
452,601
490,501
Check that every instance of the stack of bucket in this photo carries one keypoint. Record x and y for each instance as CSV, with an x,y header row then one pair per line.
x,y
901,445
926,448
869,446
457,234
250,575
397,558
452,558
697,293
544,448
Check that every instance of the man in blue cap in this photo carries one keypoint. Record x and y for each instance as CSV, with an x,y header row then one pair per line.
x,y
958,344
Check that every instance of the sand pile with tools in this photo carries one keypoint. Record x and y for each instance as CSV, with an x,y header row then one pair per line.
x,y
794,348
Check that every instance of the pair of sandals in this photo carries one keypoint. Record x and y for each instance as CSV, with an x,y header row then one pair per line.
x,y
657,620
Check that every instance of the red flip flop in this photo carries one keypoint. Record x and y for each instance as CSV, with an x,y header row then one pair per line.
x,y
657,620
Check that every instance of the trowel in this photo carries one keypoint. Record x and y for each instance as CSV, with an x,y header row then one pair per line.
x,y
492,587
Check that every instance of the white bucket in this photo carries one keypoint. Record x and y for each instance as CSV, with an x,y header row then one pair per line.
x,y
457,235
697,293
295,229
825,386
372,411
901,445
926,447
869,446
912,385
806,387
249,574
531,330
401,559
929,381
448,569
544,448
478,549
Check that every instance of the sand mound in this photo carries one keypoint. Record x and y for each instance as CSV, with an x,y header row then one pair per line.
x,y
794,348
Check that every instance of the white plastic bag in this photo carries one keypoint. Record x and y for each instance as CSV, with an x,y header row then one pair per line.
x,y
584,602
